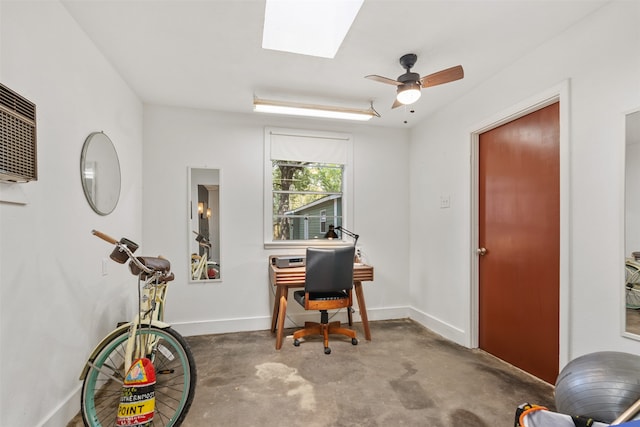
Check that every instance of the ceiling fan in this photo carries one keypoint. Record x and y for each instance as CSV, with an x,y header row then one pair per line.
x,y
409,83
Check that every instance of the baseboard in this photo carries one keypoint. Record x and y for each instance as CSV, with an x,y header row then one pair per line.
x,y
222,326
295,318
65,411
448,331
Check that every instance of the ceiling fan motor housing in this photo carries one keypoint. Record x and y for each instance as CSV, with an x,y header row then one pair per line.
x,y
409,78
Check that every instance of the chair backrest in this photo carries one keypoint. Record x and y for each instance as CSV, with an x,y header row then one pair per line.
x,y
329,269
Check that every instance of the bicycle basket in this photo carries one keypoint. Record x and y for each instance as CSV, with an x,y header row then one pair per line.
x,y
120,256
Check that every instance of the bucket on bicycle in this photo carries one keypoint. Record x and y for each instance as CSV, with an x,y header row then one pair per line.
x,y
119,256
137,402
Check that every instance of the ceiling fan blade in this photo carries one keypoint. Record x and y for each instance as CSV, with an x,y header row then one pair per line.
x,y
396,104
444,76
383,80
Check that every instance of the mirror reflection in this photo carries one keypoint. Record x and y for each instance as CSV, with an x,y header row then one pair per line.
x,y
100,173
204,224
632,224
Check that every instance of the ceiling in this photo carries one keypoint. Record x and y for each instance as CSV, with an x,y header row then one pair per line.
x,y
207,53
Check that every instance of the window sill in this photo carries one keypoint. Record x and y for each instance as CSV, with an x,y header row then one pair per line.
x,y
297,244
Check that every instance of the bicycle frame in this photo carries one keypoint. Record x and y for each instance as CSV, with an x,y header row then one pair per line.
x,y
198,267
200,264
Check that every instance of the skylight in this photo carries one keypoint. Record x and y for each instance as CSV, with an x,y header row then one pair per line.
x,y
308,27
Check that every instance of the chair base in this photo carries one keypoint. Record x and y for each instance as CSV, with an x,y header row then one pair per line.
x,y
324,329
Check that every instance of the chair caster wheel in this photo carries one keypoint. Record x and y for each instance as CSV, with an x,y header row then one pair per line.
x,y
354,341
327,350
296,343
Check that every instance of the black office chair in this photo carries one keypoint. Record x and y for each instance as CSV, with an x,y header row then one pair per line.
x,y
328,284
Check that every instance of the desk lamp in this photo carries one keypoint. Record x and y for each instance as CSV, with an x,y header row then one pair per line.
x,y
348,233
355,240
331,234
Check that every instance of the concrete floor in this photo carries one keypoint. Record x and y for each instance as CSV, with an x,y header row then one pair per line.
x,y
405,376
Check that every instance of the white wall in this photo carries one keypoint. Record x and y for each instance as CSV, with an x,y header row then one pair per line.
x,y
600,57
175,138
54,302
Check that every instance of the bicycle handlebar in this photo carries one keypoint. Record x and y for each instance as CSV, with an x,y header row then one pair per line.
x,y
122,247
104,237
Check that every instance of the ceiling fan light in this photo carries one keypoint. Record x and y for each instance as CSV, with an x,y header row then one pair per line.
x,y
408,93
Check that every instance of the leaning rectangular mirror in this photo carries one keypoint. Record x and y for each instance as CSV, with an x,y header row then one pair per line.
x,y
632,225
204,225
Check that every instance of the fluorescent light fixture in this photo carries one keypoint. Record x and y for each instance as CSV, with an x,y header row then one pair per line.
x,y
308,27
312,110
408,93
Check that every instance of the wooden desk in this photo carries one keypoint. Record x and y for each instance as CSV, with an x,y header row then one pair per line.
x,y
285,278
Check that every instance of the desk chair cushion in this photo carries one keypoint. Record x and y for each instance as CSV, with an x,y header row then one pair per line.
x,y
319,296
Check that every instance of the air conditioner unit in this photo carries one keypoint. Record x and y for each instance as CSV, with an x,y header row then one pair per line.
x,y
18,160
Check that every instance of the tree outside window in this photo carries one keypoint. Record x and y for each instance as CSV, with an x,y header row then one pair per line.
x,y
306,196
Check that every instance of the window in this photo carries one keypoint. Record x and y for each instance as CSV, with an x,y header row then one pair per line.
x,y
323,221
306,182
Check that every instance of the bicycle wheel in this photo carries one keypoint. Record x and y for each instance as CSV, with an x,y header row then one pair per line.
x,y
632,284
175,378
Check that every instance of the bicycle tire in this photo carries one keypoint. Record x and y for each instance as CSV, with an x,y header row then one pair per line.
x,y
175,379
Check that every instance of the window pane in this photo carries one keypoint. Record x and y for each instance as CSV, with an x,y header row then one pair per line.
x,y
291,203
297,227
300,176
307,197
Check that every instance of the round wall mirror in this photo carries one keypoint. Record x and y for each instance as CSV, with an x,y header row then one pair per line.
x,y
100,173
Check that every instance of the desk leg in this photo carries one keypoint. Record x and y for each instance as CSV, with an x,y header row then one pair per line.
x,y
282,314
363,309
280,290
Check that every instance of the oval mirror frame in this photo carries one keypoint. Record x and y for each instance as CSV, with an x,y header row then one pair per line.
x,y
100,173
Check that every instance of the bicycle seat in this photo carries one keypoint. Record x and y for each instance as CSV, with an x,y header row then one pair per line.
x,y
156,264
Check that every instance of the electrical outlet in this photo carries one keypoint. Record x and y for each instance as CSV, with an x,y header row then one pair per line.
x,y
445,202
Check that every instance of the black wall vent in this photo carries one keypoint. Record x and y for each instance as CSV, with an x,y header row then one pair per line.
x,y
18,160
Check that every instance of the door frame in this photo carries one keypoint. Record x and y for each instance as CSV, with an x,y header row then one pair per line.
x,y
559,93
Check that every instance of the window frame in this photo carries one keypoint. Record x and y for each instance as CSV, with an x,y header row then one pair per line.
x,y
347,190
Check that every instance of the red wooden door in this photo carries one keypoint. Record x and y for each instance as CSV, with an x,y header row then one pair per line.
x,y
519,225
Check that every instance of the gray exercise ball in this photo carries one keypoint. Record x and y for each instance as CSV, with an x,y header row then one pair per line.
x,y
599,385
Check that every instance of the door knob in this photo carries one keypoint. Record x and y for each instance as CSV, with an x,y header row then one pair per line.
x,y
481,251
